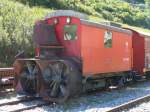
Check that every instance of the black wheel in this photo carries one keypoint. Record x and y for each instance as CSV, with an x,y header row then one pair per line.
x,y
119,81
29,78
147,74
62,81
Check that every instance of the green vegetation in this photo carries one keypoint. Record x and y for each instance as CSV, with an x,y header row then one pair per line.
x,y
16,22
17,18
112,10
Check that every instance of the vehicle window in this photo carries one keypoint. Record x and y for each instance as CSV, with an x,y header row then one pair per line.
x,y
108,39
70,32
44,34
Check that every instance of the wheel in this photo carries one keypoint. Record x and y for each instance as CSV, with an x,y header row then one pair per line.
x,y
122,81
119,81
107,83
147,74
62,81
29,78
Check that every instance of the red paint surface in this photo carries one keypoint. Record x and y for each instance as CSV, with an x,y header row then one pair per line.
x,y
147,52
98,59
72,47
127,51
138,52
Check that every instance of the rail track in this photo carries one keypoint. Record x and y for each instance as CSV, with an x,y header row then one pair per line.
x,y
6,90
130,104
22,100
8,72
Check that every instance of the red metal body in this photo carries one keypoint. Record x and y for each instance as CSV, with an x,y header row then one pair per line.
x,y
75,55
126,52
147,52
138,52
72,47
146,49
98,59
89,46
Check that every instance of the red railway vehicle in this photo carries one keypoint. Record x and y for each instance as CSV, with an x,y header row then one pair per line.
x,y
105,49
147,52
138,52
75,55
141,51
6,77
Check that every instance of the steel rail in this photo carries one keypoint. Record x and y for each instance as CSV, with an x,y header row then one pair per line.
x,y
31,107
20,100
130,104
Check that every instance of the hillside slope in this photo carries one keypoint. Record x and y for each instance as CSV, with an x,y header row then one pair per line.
x,y
112,10
17,18
16,27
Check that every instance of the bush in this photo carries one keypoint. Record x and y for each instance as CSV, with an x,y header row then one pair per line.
x,y
16,26
17,20
113,10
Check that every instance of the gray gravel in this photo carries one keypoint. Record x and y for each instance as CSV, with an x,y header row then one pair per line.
x,y
8,108
144,107
98,102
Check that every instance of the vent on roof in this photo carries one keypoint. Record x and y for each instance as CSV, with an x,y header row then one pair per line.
x,y
110,23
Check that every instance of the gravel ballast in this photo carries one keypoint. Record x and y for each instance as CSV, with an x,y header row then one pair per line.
x,y
98,102
144,107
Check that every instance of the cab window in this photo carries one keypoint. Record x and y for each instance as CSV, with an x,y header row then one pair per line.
x,y
108,39
70,32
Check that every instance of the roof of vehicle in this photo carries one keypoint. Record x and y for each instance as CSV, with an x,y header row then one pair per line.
x,y
84,20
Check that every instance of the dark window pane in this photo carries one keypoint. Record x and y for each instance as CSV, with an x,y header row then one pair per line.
x,y
44,34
